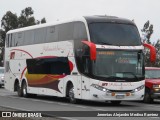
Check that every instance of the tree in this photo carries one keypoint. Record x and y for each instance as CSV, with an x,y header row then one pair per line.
x,y
43,20
147,31
12,21
2,37
26,18
9,21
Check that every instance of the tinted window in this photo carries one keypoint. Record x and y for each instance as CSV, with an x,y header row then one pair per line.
x,y
154,74
7,40
19,39
40,35
52,34
28,37
114,34
59,65
10,40
65,31
79,31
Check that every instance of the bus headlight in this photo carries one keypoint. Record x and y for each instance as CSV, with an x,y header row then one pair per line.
x,y
100,88
2,77
138,89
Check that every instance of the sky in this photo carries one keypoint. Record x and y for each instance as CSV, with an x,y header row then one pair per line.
x,y
139,10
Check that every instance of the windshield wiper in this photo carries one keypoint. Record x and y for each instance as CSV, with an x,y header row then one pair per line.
x,y
114,77
105,43
131,74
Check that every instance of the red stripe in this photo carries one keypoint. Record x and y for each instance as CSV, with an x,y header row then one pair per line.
x,y
23,72
23,51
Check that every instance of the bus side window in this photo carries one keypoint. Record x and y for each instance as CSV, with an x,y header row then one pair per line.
x,y
28,37
14,39
6,41
10,40
19,39
52,34
81,58
40,35
65,31
57,66
80,32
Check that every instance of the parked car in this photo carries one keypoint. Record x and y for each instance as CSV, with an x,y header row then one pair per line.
x,y
1,76
152,84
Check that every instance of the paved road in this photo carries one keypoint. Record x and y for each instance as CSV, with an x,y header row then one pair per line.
x,y
47,103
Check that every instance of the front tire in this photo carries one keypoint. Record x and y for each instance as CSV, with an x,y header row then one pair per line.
x,y
147,97
24,89
71,94
19,91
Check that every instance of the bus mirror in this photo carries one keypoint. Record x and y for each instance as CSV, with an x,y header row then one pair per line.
x,y
92,48
152,51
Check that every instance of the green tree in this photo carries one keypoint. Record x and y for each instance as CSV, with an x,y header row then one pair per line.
x,y
26,18
147,31
2,37
9,21
43,20
12,21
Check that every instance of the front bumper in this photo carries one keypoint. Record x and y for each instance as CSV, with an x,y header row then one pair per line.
x,y
155,95
117,96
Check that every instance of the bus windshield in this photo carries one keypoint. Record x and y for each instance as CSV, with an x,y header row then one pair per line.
x,y
114,34
119,65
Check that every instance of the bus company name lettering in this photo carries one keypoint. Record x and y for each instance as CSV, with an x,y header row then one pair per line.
x,y
117,84
51,48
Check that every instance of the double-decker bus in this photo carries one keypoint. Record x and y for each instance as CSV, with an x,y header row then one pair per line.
x,y
96,58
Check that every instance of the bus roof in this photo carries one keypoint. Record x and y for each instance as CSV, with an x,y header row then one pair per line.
x,y
46,25
111,19
89,19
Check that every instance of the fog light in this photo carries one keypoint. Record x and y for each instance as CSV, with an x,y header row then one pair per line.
x,y
113,94
128,94
156,89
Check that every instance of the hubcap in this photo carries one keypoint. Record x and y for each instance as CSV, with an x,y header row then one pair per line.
x,y
24,91
71,93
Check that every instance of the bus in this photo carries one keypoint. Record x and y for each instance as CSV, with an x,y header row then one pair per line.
x,y
97,58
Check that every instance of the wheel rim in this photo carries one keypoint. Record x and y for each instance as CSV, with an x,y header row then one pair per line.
x,y
24,90
71,94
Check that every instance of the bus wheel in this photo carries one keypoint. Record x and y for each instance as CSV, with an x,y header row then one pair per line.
x,y
147,97
116,102
19,90
71,94
24,89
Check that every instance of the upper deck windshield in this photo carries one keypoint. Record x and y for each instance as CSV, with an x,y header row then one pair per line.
x,y
114,34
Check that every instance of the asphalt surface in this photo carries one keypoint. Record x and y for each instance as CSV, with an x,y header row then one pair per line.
x,y
53,106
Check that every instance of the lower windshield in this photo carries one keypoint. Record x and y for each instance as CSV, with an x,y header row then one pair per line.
x,y
154,74
119,65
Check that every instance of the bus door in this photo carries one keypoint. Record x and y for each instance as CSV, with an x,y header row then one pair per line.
x,y
85,87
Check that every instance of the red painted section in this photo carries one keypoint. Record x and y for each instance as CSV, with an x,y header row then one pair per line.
x,y
149,82
152,51
92,47
23,51
12,55
23,72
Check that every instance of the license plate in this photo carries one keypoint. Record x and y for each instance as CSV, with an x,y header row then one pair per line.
x,y
119,96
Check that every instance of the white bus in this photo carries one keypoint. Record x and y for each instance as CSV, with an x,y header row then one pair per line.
x,y
96,58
